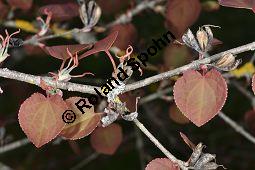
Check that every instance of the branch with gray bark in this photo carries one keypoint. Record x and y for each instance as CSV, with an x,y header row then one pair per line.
x,y
32,79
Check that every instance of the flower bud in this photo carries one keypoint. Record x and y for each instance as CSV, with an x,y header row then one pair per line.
x,y
226,60
90,13
202,38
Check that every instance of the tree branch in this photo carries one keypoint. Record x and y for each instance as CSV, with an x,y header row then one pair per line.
x,y
236,127
34,40
159,145
194,65
10,74
127,17
35,80
14,145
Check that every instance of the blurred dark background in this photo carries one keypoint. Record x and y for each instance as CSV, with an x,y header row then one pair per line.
x,y
232,150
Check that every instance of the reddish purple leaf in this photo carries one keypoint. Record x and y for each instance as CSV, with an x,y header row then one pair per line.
x,y
62,12
187,141
40,118
182,14
107,140
200,97
162,164
32,50
127,35
103,45
84,124
248,4
22,4
61,53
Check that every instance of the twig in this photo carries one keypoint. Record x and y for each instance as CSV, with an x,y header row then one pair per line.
x,y
154,96
139,146
28,78
237,127
252,58
6,73
124,18
243,90
4,167
14,145
159,145
195,64
34,40
148,108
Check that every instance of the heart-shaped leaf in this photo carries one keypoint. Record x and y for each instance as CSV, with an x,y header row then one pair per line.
x,y
60,51
162,164
200,97
249,4
107,140
182,14
41,118
84,124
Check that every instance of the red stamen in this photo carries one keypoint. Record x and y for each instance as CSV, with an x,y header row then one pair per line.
x,y
82,75
8,37
112,60
129,51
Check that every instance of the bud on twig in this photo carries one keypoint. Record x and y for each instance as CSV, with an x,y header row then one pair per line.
x,y
204,159
227,62
90,13
202,39
199,160
196,154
